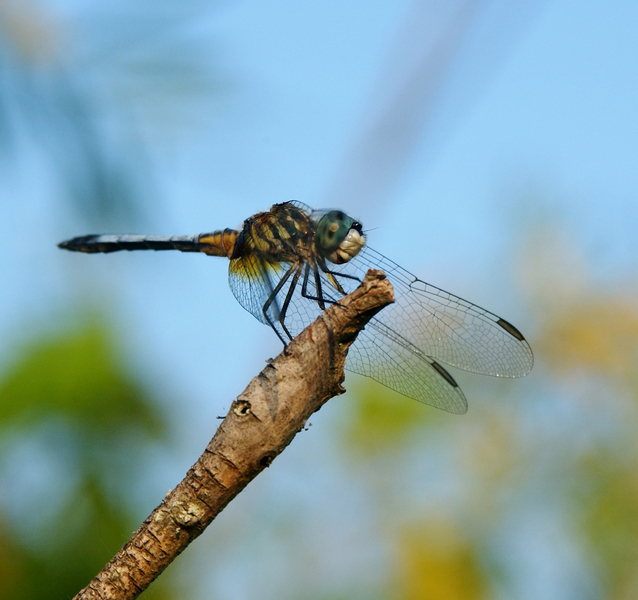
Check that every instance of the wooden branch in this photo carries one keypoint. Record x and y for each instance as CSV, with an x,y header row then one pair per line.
x,y
261,422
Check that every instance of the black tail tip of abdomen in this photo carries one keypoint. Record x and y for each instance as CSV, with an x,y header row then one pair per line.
x,y
80,244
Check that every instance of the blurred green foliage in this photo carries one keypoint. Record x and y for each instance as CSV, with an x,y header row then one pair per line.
x,y
76,375
607,494
382,420
82,91
599,336
74,382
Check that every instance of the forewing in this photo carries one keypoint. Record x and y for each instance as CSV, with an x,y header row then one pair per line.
x,y
401,346
443,326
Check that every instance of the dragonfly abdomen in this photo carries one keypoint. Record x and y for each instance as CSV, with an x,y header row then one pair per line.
x,y
217,243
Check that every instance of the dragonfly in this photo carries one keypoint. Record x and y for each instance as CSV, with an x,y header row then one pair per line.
x,y
289,263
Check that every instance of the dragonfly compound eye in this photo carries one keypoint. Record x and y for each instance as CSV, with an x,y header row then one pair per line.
x,y
338,237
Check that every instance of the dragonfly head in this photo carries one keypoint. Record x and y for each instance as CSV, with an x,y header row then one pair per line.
x,y
339,237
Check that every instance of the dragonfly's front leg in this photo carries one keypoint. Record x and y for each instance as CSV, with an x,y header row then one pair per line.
x,y
332,276
319,299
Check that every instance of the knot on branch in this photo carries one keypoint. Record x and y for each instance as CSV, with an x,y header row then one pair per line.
x,y
190,513
241,408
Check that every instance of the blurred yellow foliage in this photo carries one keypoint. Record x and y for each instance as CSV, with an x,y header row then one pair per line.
x,y
608,494
436,563
32,30
597,334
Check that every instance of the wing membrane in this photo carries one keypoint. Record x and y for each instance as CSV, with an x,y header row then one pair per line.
x,y
401,345
252,280
410,373
444,326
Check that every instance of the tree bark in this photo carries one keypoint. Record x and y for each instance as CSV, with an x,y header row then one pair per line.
x,y
261,422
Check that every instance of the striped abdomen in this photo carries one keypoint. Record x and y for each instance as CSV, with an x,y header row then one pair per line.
x,y
217,243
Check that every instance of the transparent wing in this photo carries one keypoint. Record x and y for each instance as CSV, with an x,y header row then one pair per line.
x,y
308,210
379,352
401,346
444,326
252,279
388,361
428,320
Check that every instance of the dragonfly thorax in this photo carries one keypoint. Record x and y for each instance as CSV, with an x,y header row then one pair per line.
x,y
338,237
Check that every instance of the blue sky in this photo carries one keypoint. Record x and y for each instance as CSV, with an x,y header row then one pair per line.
x,y
555,114
554,117
540,106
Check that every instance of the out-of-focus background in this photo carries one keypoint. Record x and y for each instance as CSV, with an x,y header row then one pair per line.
x,y
489,147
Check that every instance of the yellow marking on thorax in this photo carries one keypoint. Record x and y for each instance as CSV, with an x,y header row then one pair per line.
x,y
261,236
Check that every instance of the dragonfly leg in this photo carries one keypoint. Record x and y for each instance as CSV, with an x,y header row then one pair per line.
x,y
304,288
332,276
271,299
304,285
320,298
318,286
286,304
